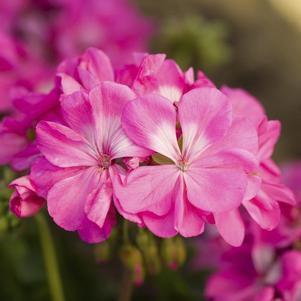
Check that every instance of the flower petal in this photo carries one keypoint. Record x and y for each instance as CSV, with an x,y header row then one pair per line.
x,y
188,219
149,188
205,117
99,201
150,122
62,146
162,226
231,227
217,183
66,200
108,101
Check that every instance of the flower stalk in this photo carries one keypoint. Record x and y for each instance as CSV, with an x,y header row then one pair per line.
x,y
50,259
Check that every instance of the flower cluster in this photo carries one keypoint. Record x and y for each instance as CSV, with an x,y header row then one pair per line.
x,y
147,141
36,35
267,267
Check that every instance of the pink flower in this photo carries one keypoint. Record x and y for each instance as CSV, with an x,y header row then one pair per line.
x,y
155,74
264,208
83,156
290,282
245,275
85,72
24,201
19,71
115,26
176,197
17,133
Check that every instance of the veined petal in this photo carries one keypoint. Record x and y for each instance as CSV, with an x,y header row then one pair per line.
x,y
62,146
77,112
188,219
99,201
150,122
171,81
231,227
149,188
218,183
205,116
108,101
44,175
67,199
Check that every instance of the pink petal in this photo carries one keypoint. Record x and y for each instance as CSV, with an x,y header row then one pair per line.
x,y
150,122
97,63
69,84
62,146
162,226
218,182
44,175
264,210
149,188
205,117
67,198
269,132
25,158
11,144
280,193
171,81
231,227
245,105
77,112
99,201
188,219
91,233
108,101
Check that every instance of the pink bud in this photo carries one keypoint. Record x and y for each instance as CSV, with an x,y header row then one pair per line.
x,y
24,201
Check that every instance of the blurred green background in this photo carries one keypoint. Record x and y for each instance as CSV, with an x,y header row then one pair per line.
x,y
254,44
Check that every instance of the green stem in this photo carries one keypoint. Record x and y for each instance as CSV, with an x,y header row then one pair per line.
x,y
126,288
50,260
125,231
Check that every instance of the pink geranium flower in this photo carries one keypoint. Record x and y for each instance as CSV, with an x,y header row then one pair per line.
x,y
83,156
264,208
153,73
204,176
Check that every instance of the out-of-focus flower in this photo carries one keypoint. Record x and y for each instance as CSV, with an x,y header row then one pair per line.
x,y
19,71
55,30
17,133
267,265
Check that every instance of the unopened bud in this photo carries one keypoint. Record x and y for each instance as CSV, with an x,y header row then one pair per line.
x,y
173,252
149,249
131,258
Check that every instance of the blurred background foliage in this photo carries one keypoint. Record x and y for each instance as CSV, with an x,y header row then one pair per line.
x,y
254,44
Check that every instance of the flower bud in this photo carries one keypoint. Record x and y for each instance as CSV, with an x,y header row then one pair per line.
x,y
173,252
131,258
24,201
149,249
